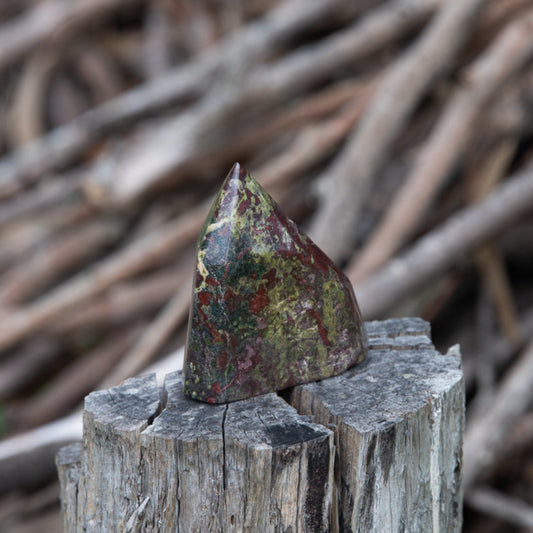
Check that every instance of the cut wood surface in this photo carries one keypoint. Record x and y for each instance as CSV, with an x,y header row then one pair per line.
x,y
153,461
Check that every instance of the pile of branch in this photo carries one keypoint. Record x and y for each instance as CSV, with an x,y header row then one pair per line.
x,y
397,133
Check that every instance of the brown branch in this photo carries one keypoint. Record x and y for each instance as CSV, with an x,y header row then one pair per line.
x,y
312,145
50,22
443,247
28,365
37,231
490,262
496,349
153,338
516,447
68,388
185,140
486,433
449,139
498,505
406,82
56,260
312,108
20,454
25,117
488,258
121,265
24,507
68,142
27,460
123,302
48,194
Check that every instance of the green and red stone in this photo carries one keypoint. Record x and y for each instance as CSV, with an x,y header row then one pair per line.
x,y
269,309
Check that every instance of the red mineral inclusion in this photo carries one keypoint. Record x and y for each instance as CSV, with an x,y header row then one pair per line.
x,y
269,309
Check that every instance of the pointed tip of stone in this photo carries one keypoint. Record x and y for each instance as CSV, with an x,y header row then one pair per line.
x,y
237,171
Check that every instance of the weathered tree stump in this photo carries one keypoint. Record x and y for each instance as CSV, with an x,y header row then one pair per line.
x,y
375,449
399,419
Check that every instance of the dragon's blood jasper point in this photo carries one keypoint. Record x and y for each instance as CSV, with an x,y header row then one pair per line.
x,y
269,308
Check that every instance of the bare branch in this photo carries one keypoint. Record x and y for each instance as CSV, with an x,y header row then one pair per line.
x,y
50,22
494,503
153,338
353,172
64,144
185,140
119,266
485,434
445,246
447,142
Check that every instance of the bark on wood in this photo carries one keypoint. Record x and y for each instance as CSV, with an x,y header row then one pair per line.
x,y
20,454
167,463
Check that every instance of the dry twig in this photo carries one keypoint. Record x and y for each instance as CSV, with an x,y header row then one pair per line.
x,y
123,302
313,144
200,130
26,366
485,434
28,458
57,260
440,249
449,139
351,175
153,338
69,387
121,265
67,142
494,503
488,258
50,22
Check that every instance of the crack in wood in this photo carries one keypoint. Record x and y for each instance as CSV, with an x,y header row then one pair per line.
x,y
223,432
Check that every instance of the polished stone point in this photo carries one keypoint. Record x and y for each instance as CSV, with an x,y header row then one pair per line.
x,y
269,309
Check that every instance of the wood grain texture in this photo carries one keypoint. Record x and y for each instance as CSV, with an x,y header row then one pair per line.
x,y
68,465
110,476
173,464
399,419
376,449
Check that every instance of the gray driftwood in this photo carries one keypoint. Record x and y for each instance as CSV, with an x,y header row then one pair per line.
x,y
154,460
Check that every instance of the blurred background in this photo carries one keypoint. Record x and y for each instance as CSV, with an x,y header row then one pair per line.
x,y
398,134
